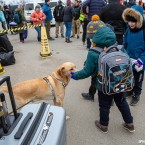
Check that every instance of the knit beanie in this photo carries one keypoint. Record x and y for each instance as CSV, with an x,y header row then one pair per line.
x,y
104,37
68,2
95,18
92,28
47,1
37,7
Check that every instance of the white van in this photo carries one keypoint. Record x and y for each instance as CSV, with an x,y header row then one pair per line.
x,y
30,7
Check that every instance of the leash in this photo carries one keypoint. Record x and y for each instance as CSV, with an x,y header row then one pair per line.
x,y
60,81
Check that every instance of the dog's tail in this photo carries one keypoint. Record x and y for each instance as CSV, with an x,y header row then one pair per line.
x,y
4,88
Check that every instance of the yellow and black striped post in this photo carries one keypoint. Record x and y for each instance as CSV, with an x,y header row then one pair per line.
x,y
2,71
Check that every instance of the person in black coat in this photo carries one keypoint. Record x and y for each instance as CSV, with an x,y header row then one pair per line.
x,y
57,13
112,14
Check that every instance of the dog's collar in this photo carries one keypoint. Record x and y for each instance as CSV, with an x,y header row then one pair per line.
x,y
60,81
50,85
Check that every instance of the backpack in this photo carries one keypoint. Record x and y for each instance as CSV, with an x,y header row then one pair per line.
x,y
115,73
17,17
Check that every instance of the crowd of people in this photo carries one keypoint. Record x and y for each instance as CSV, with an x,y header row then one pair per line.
x,y
103,24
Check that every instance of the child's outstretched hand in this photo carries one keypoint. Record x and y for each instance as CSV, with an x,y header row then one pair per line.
x,y
72,75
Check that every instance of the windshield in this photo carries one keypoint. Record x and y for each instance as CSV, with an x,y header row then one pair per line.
x,y
52,4
29,7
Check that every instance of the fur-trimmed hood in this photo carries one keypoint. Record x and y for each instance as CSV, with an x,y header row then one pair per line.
x,y
133,14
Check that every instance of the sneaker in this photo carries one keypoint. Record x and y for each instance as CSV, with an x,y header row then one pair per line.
x,y
56,36
87,96
103,128
62,35
69,41
50,38
135,100
78,36
129,127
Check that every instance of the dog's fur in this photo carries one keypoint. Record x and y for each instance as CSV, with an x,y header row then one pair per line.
x,y
38,89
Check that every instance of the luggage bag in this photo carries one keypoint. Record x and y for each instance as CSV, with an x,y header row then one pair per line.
x,y
35,124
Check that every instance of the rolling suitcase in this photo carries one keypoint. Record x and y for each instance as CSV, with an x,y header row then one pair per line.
x,y
35,124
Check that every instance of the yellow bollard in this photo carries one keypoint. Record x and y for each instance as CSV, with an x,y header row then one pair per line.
x,y
45,49
2,71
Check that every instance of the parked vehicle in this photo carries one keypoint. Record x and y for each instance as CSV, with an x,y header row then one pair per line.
x,y
30,7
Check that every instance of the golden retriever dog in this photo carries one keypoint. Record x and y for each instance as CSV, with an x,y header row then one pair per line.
x,y
41,88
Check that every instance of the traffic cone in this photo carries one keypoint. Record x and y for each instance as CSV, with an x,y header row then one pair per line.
x,y
2,71
45,49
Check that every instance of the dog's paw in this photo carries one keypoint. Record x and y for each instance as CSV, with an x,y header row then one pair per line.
x,y
67,118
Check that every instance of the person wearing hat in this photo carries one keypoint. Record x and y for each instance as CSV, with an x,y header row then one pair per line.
x,y
57,13
104,37
91,30
38,17
134,43
7,15
47,11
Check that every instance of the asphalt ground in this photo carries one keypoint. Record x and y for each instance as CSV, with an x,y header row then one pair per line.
x,y
80,128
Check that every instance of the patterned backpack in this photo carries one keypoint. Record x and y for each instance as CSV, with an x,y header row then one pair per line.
x,y
115,73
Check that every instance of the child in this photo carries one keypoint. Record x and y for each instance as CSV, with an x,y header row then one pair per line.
x,y
134,43
105,37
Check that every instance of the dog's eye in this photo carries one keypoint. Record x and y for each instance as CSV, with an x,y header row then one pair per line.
x,y
71,69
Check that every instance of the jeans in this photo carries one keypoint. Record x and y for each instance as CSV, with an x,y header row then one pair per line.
x,y
68,26
88,43
138,78
48,26
38,29
92,89
105,102
85,23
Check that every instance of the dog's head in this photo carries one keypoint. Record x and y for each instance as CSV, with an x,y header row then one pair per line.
x,y
65,69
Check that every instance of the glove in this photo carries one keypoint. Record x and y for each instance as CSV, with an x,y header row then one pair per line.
x,y
72,75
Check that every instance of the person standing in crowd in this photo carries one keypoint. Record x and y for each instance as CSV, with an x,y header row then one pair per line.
x,y
115,18
131,3
7,15
38,17
91,30
57,13
68,15
94,7
140,3
48,13
134,43
76,21
105,37
20,12
2,18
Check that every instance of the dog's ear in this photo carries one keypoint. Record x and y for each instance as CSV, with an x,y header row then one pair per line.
x,y
60,71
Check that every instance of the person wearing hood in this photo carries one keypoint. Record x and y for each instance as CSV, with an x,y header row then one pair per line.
x,y
104,37
114,17
47,11
134,43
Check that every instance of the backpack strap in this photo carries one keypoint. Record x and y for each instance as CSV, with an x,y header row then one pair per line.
x,y
97,49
